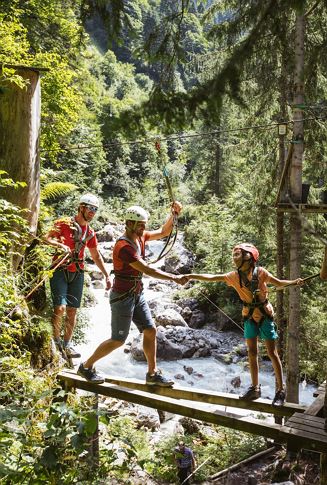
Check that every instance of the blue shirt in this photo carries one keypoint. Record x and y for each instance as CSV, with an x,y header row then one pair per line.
x,y
184,458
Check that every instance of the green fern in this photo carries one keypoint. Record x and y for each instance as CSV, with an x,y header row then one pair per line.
x,y
53,190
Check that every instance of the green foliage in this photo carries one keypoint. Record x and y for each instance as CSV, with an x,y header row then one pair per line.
x,y
53,190
222,447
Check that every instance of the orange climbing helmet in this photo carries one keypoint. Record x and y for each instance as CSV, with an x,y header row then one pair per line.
x,y
250,248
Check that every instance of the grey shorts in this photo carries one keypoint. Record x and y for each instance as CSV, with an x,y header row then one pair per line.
x,y
67,288
123,312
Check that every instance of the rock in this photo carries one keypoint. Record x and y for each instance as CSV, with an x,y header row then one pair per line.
x,y
106,255
170,317
190,425
179,377
236,381
197,319
96,275
180,260
147,418
191,303
189,370
97,284
106,234
186,313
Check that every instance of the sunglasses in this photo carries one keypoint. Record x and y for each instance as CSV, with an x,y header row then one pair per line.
x,y
91,208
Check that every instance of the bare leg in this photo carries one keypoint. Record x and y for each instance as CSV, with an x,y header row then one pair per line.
x,y
276,363
102,350
70,322
252,344
150,348
56,320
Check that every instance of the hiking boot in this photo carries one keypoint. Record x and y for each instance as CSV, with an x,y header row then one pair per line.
x,y
279,398
157,379
253,392
71,352
90,374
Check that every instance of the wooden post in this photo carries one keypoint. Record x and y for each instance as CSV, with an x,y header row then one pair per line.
x,y
94,440
323,469
295,223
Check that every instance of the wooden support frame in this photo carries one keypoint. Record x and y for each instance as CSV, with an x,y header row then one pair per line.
x,y
199,395
197,410
305,208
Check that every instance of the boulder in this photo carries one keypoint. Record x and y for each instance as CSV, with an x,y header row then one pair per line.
x,y
170,317
106,234
197,319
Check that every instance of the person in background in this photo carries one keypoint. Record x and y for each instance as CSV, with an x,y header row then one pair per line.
x,y
185,462
127,299
250,281
72,235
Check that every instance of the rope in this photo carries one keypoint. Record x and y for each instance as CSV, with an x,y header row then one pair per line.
x,y
170,239
198,468
263,127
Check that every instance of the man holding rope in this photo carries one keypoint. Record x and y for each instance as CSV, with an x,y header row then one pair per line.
x,y
127,298
72,235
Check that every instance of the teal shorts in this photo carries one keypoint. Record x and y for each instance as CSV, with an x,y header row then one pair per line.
x,y
266,329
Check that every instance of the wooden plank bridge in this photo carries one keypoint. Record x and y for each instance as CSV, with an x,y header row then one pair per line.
x,y
304,427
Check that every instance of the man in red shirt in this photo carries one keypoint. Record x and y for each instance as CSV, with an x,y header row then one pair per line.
x,y
72,235
126,297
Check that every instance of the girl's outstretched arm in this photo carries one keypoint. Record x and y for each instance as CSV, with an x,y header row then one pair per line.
x,y
280,283
205,277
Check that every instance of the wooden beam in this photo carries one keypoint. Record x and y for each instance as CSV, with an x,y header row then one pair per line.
x,y
316,408
284,173
194,410
210,397
307,208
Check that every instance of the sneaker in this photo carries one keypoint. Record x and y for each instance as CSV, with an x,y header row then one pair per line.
x,y
71,352
90,374
253,392
279,398
157,379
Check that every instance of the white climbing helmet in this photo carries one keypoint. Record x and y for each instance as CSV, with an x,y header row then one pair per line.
x,y
89,199
136,213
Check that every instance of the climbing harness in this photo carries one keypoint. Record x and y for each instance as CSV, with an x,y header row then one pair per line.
x,y
137,279
171,239
253,286
81,238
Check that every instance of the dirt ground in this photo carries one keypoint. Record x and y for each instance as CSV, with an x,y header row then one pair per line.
x,y
277,467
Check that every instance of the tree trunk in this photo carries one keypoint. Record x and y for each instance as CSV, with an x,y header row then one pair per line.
x,y
295,223
19,142
280,263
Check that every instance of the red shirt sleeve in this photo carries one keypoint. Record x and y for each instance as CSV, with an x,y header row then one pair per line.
x,y
93,242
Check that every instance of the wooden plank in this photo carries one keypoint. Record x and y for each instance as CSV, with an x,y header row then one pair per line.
x,y
313,428
307,417
317,406
210,397
279,433
306,440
